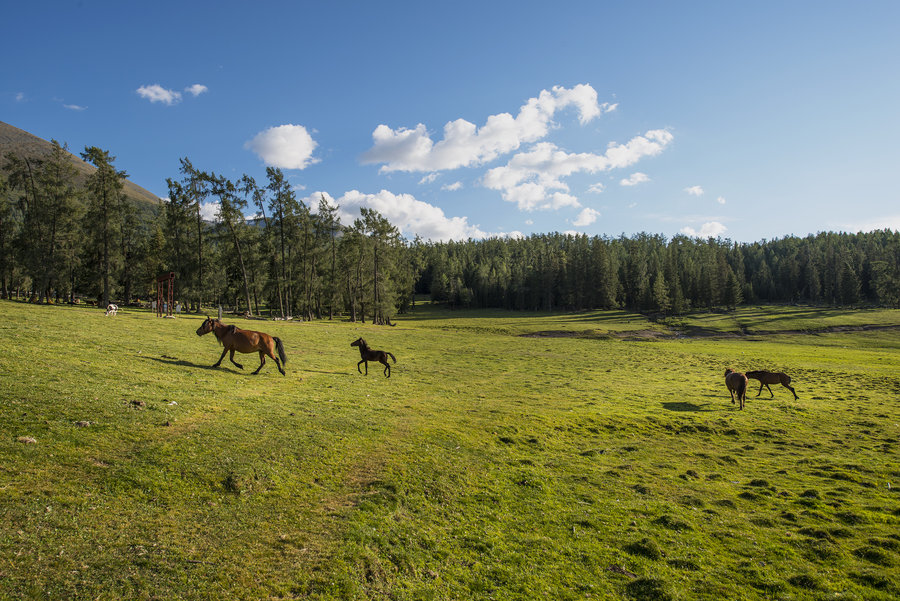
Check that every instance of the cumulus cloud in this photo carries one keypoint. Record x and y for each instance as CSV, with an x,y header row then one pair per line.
x,y
533,179
196,89
721,200
428,179
284,146
157,93
694,190
597,188
20,97
452,187
209,211
410,215
74,107
712,229
634,179
465,144
586,217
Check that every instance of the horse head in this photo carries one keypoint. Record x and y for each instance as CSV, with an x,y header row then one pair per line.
x,y
729,371
359,342
206,327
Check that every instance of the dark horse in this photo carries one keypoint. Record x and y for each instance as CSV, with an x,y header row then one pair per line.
x,y
768,377
244,341
368,354
736,383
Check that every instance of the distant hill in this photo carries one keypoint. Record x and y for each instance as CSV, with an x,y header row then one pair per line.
x,y
13,139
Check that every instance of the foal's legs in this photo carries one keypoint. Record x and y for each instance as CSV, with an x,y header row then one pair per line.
x,y
769,389
360,363
387,368
796,398
233,361
761,384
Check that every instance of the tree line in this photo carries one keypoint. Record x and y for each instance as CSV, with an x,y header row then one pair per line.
x,y
61,239
653,274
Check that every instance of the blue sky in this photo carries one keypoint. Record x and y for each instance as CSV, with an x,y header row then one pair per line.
x,y
748,121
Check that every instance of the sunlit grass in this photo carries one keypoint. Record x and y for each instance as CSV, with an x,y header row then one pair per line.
x,y
490,465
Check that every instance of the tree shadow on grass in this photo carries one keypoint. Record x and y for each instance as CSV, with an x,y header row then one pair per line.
x,y
685,406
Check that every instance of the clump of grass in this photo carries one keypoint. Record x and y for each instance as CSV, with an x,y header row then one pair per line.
x,y
806,581
648,589
667,521
646,547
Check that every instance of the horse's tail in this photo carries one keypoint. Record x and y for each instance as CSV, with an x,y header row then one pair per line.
x,y
391,356
280,348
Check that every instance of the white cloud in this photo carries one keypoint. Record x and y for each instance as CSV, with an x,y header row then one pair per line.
x,y
694,190
597,188
632,205
720,200
712,229
410,215
889,222
634,179
428,179
74,107
465,144
20,97
284,146
157,93
530,178
529,222
196,89
452,187
209,211
586,217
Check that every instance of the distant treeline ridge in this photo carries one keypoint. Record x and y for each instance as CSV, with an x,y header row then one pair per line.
x,y
60,241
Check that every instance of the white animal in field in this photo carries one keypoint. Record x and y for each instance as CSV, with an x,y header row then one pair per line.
x,y
111,309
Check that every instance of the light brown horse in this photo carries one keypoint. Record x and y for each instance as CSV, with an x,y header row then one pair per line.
x,y
769,377
736,383
244,341
368,354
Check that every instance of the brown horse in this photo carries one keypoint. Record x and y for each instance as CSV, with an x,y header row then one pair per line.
x,y
768,377
368,354
244,341
736,383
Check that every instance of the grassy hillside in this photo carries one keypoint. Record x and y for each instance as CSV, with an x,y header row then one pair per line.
x,y
13,139
599,459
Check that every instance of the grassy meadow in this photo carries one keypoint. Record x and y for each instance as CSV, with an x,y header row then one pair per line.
x,y
510,456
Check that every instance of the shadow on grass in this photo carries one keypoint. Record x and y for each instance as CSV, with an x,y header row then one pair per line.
x,y
182,363
685,406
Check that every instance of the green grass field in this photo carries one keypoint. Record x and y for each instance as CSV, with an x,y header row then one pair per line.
x,y
601,459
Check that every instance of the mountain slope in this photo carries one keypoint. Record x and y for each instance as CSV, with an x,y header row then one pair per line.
x,y
13,139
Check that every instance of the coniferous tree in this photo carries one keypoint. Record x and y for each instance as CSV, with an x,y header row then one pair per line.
x,y
104,188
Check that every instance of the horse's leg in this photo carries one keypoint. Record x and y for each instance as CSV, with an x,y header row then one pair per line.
x,y
361,361
791,388
233,361
277,362
732,395
262,361
219,362
387,368
761,384
770,391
